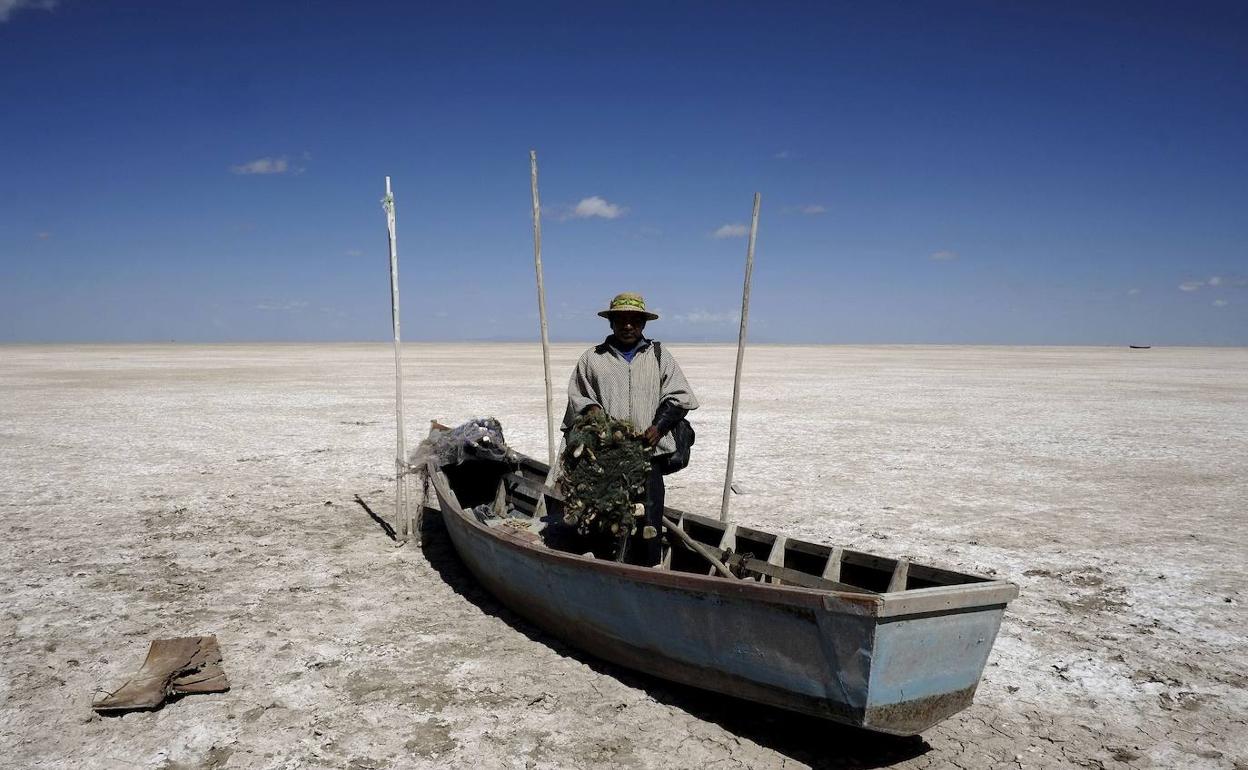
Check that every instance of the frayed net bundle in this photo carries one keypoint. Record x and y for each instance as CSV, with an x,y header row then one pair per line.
x,y
605,465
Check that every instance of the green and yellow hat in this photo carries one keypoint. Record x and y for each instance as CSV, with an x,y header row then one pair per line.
x,y
629,302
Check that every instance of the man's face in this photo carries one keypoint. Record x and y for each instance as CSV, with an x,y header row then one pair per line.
x,y
627,327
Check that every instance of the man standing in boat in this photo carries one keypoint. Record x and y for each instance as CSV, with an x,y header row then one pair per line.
x,y
633,378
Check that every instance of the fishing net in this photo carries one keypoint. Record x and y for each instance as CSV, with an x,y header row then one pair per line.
x,y
473,456
605,466
480,438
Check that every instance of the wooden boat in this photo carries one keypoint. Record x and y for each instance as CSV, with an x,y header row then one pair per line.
x,y
1140,347
857,638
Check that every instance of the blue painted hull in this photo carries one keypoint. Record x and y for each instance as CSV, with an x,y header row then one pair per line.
x,y
852,658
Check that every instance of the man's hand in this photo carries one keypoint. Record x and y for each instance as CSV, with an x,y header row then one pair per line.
x,y
591,410
651,436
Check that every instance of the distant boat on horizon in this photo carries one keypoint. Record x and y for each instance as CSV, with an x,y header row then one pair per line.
x,y
1139,347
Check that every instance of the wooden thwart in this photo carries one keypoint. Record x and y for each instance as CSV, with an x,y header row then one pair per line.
x,y
900,575
725,562
832,569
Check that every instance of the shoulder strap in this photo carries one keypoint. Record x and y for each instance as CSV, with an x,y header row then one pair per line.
x,y
658,352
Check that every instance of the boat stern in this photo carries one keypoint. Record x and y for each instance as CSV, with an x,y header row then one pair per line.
x,y
929,654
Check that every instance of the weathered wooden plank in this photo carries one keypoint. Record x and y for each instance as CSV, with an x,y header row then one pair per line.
x,y
530,486
832,570
900,572
776,557
184,665
946,598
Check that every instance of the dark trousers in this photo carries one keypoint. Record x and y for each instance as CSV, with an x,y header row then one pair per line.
x,y
650,552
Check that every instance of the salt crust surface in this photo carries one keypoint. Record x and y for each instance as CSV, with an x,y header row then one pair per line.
x,y
169,490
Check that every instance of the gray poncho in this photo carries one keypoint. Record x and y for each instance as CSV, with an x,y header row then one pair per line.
x,y
628,391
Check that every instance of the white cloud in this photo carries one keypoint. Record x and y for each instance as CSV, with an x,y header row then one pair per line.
x,y
704,317
10,7
282,307
262,166
1132,292
595,206
812,208
354,253
734,230
1217,281
43,236
943,256
783,155
1219,303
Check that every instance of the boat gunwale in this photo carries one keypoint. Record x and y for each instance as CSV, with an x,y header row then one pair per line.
x,y
980,595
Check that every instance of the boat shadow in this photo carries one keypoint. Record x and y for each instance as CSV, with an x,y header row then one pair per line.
x,y
809,740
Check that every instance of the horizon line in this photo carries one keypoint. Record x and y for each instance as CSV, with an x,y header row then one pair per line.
x,y
515,341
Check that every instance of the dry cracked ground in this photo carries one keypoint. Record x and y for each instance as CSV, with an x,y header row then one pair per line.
x,y
155,491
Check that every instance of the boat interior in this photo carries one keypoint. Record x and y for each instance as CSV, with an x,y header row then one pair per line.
x,y
518,497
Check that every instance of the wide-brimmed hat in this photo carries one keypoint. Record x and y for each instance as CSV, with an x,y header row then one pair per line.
x,y
629,302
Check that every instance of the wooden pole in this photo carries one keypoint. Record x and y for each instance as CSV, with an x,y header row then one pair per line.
x,y
541,308
736,378
705,552
403,521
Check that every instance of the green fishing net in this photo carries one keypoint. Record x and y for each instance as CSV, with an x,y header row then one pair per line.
x,y
605,466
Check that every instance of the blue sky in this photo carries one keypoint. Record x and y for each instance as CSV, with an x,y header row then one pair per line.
x,y
946,172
